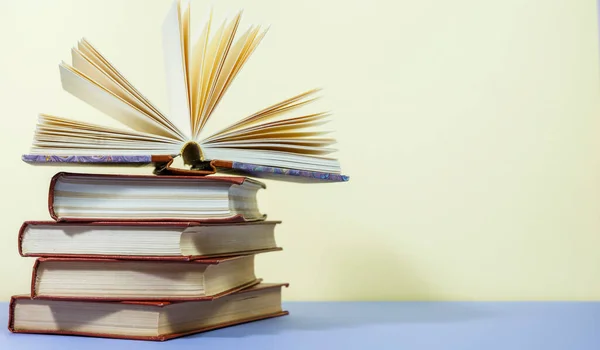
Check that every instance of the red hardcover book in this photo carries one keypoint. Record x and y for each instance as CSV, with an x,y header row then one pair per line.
x,y
143,320
182,241
119,197
141,279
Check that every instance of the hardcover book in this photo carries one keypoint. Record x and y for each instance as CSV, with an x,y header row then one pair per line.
x,y
281,141
159,320
115,197
141,279
151,240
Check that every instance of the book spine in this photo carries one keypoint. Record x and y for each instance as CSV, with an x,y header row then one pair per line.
x,y
20,239
11,314
34,272
51,188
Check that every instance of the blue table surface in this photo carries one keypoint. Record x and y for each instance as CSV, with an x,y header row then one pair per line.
x,y
376,325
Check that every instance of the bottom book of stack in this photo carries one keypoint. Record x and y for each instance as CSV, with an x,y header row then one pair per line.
x,y
144,320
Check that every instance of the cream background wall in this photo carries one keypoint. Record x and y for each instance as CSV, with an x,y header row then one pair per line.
x,y
469,129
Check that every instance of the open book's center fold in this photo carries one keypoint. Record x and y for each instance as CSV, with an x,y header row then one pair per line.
x,y
192,153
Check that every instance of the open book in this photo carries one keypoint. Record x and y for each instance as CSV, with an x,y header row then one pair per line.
x,y
275,141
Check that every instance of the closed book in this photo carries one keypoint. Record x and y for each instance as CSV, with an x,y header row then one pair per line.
x,y
143,320
143,279
150,240
119,197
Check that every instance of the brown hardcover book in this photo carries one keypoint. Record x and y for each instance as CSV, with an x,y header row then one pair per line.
x,y
142,279
78,197
183,241
158,320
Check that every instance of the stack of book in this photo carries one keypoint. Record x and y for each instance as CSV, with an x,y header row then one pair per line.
x,y
146,257
170,253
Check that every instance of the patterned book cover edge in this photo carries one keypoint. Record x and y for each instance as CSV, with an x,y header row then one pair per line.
x,y
236,167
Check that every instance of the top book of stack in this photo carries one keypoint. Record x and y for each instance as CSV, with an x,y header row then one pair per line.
x,y
278,142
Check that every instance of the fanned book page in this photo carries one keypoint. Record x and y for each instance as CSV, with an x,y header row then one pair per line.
x,y
279,141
